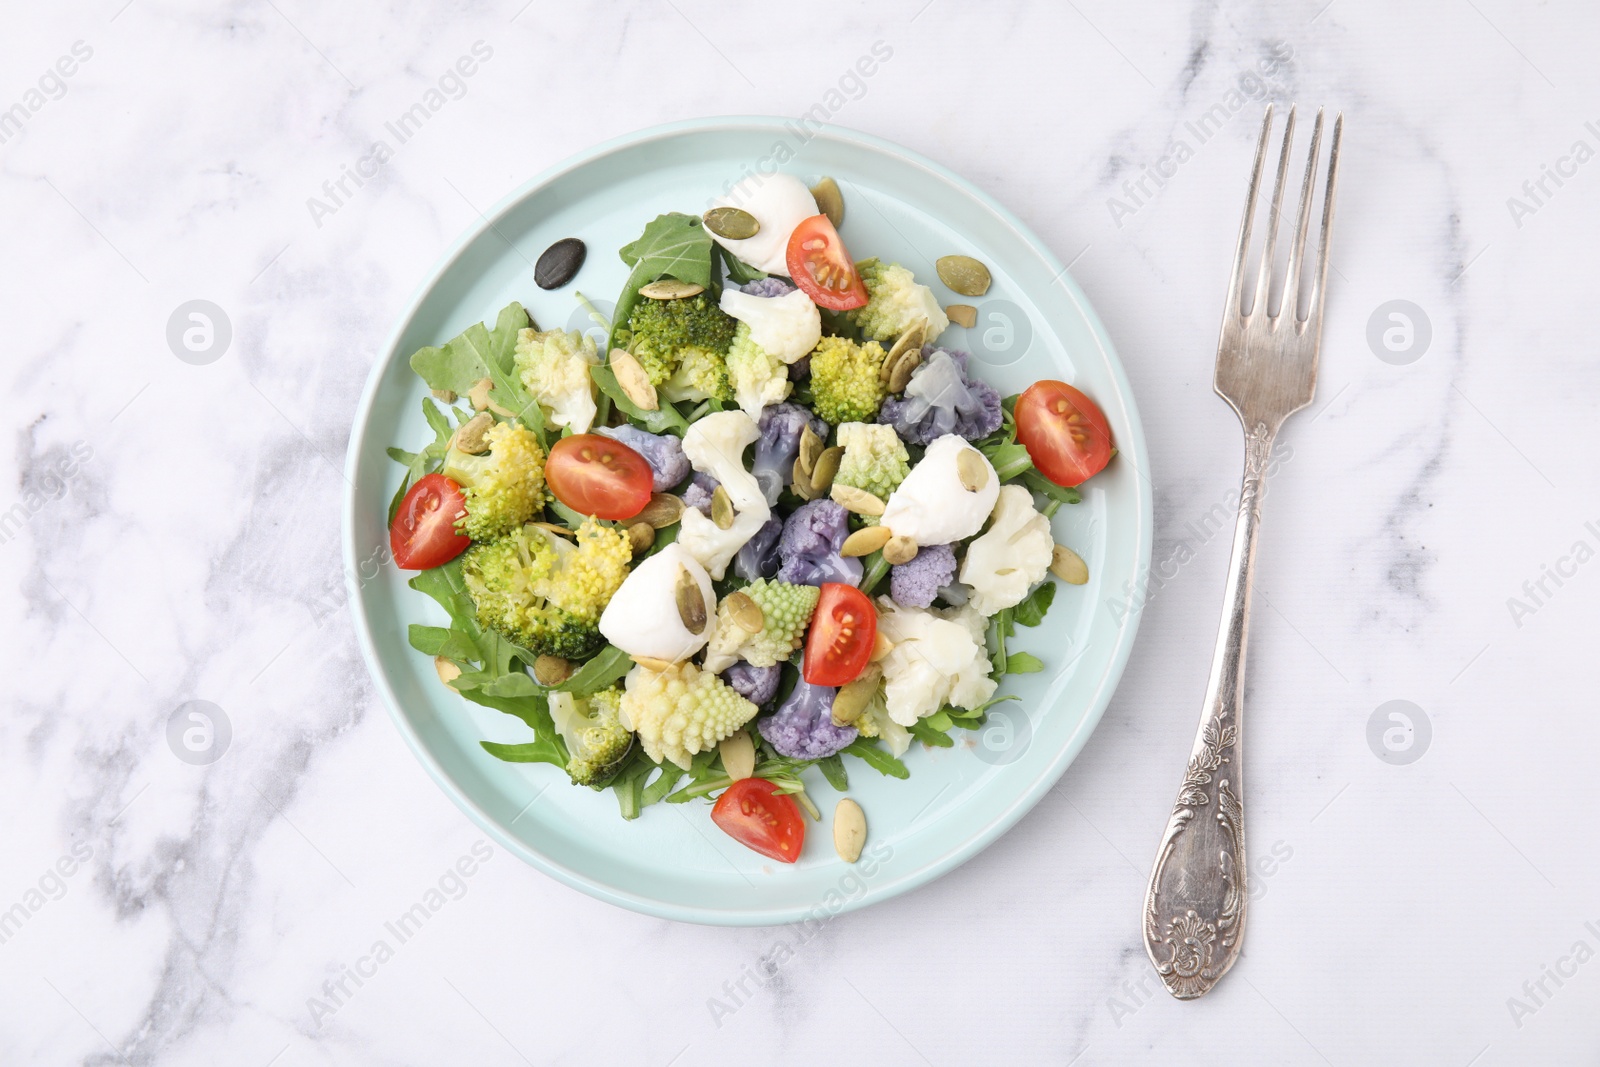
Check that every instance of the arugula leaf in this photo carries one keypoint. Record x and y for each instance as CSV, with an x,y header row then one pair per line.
x,y
674,245
1010,460
477,353
531,752
926,732
657,790
431,458
874,755
1023,663
628,784
1040,484
875,570
604,668
739,272
832,768
665,419
1030,612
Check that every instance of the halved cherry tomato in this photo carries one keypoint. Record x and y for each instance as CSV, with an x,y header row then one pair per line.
x,y
755,814
594,475
1066,435
843,631
821,266
423,533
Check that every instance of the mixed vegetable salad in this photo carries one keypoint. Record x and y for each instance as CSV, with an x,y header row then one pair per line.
x,y
775,524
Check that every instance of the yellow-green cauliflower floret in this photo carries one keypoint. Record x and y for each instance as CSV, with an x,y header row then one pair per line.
x,y
503,486
895,301
875,459
554,367
758,378
592,731
845,386
681,711
541,592
786,610
691,336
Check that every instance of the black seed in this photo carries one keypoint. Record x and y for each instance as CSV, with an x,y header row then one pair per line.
x,y
559,263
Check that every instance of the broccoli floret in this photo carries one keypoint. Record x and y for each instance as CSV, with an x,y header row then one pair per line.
x,y
681,711
786,610
874,460
544,594
895,302
759,379
803,726
592,730
554,367
504,487
701,375
664,333
845,386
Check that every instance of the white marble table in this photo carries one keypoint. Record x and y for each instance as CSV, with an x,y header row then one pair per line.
x,y
171,530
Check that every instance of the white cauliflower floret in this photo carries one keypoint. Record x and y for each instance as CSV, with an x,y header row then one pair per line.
x,y
787,327
938,658
1012,556
554,367
642,617
715,446
931,506
681,711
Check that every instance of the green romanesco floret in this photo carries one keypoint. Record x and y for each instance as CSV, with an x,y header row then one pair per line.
x,y
845,386
664,333
554,367
544,594
681,711
504,486
786,610
591,728
895,301
758,377
875,459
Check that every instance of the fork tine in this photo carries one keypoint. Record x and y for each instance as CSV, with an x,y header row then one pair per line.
x,y
1236,283
1291,286
1264,275
1314,309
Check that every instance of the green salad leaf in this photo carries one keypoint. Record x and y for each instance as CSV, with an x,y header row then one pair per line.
x,y
674,245
477,353
431,458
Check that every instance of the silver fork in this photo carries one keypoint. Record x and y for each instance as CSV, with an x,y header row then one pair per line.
x,y
1266,370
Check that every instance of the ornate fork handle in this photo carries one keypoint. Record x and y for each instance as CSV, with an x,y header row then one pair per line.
x,y
1195,905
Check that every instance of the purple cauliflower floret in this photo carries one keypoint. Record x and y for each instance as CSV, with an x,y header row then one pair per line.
x,y
758,558
664,453
915,584
697,494
800,369
756,684
779,444
941,399
767,287
803,727
810,546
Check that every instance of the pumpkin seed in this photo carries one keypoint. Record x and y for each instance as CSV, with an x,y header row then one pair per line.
x,y
881,647
853,697
911,339
721,508
691,602
899,549
811,447
827,466
745,612
671,289
650,663
447,395
963,275
738,755
551,670
632,380
829,202
849,830
865,541
641,535
448,671
900,375
733,223
479,393
802,482
663,510
972,470
559,263
470,436
559,531
962,315
857,500
1068,566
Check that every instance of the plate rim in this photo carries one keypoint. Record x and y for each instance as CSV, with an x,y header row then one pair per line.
x,y
1025,799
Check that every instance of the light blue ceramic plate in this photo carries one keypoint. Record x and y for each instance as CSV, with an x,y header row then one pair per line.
x,y
1034,323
